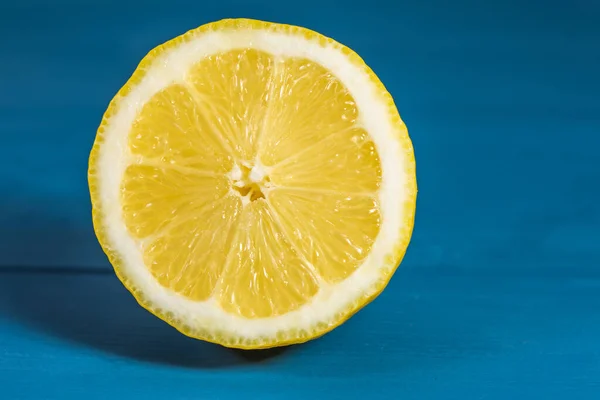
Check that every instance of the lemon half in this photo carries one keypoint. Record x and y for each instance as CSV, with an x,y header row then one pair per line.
x,y
253,184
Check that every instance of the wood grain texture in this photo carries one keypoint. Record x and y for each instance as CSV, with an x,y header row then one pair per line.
x,y
499,294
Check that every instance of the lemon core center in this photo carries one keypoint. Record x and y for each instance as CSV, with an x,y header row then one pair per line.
x,y
250,181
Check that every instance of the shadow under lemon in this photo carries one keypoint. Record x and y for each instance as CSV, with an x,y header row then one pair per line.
x,y
91,307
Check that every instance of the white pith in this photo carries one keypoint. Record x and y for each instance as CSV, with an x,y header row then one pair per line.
x,y
171,67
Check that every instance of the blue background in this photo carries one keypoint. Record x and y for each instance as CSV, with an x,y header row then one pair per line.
x,y
499,294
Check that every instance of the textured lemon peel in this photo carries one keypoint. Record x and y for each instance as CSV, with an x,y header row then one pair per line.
x,y
292,335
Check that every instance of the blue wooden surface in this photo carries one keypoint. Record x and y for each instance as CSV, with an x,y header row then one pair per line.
x,y
499,295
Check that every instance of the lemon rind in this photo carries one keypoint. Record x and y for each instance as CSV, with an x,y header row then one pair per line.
x,y
284,336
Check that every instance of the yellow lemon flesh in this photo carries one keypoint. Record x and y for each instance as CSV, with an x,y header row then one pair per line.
x,y
253,184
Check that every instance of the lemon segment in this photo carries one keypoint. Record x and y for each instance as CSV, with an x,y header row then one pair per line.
x,y
154,197
233,89
188,256
334,232
170,130
307,104
346,162
265,276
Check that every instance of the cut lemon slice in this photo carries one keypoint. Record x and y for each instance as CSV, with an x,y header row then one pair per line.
x,y
253,184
